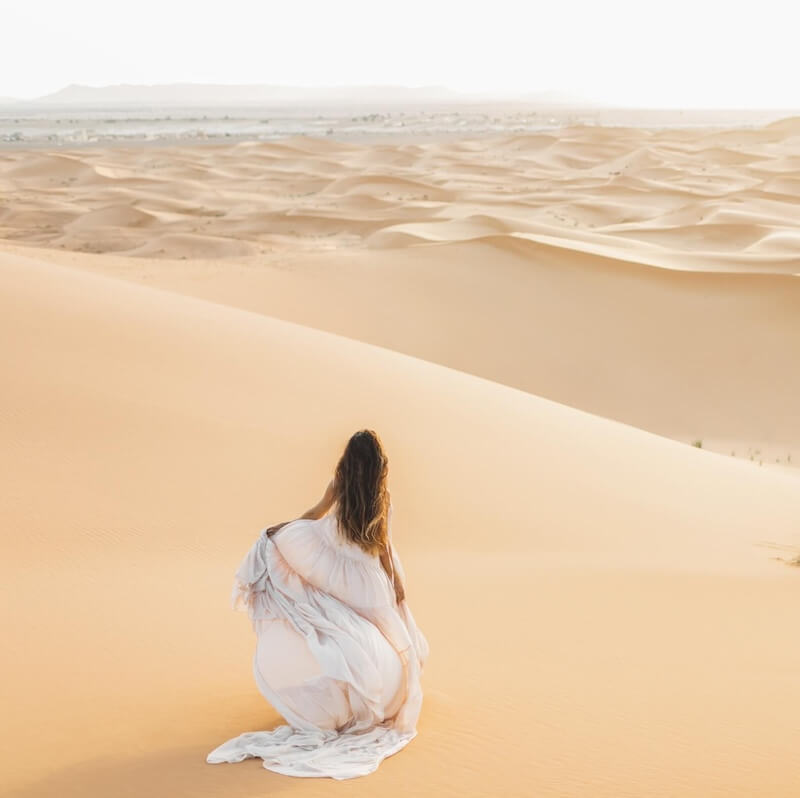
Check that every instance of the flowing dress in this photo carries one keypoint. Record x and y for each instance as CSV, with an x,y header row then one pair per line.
x,y
336,655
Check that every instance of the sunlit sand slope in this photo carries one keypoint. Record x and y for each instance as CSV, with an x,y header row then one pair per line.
x,y
647,276
606,610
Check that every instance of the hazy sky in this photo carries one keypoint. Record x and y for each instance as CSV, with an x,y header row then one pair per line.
x,y
678,53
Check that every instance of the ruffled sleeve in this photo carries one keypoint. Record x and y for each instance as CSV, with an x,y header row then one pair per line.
x,y
250,574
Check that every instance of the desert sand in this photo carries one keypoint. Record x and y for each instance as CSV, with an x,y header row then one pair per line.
x,y
538,326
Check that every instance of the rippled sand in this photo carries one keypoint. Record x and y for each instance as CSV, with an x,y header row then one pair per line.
x,y
539,326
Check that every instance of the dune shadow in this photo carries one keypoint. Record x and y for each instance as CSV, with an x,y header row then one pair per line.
x,y
165,774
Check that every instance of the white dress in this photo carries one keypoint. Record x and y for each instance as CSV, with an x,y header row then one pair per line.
x,y
336,655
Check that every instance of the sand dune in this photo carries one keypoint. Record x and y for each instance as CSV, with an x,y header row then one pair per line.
x,y
538,325
687,354
302,221
623,183
631,634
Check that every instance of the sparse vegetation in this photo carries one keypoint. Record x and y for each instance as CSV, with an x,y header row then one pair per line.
x,y
698,443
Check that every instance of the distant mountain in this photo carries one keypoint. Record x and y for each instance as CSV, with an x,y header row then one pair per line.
x,y
198,94
557,98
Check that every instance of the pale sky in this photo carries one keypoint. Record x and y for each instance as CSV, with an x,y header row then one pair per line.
x,y
670,53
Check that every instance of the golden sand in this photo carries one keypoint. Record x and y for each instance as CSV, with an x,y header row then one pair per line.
x,y
537,326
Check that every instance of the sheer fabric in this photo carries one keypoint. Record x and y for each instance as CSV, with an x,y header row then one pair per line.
x,y
336,655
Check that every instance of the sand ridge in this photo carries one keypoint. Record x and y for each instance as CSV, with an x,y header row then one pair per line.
x,y
608,607
162,428
664,194
693,225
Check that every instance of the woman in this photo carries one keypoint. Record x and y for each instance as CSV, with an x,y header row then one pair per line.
x,y
338,652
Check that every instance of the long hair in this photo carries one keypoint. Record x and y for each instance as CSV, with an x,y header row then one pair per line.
x,y
361,493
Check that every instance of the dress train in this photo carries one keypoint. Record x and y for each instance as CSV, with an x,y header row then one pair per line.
x,y
336,655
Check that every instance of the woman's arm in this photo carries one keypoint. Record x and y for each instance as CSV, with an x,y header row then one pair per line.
x,y
322,506
387,561
315,513
394,578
